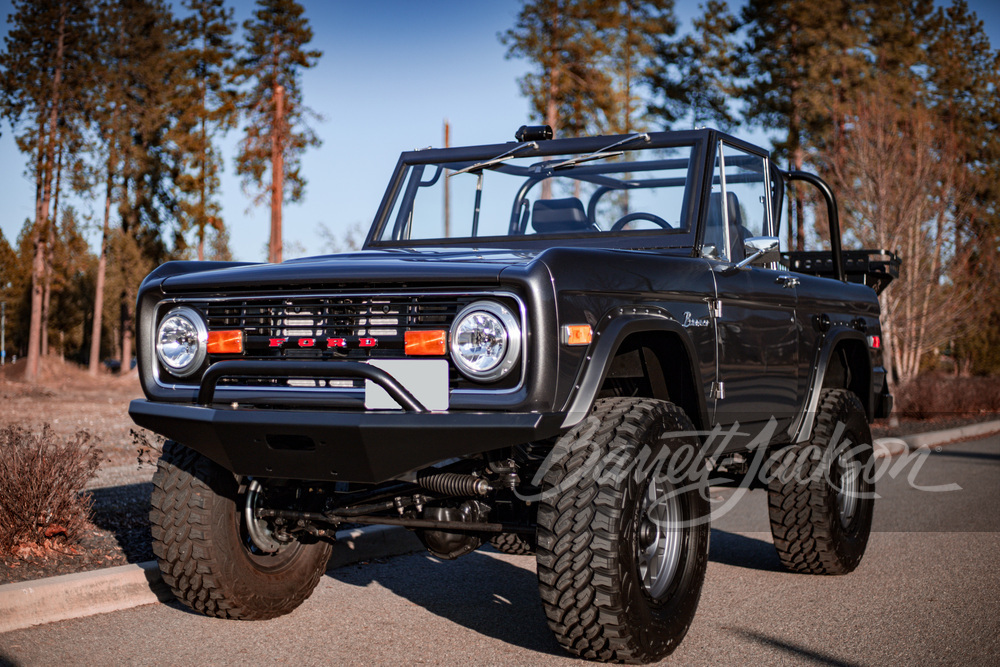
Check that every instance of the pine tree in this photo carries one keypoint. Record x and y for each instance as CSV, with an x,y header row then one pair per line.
x,y
72,266
42,63
140,100
795,59
963,82
8,292
569,88
276,134
634,31
209,108
694,75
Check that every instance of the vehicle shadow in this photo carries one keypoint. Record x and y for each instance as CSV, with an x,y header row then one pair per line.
x,y
123,511
497,596
742,551
482,592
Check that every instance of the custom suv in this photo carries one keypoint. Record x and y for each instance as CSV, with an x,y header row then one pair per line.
x,y
554,346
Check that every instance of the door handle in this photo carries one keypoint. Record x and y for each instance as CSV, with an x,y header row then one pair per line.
x,y
787,281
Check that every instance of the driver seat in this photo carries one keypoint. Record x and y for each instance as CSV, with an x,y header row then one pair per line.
x,y
552,216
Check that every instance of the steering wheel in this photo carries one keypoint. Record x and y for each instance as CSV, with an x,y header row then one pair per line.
x,y
639,215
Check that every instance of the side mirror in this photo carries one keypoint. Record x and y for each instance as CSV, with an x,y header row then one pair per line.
x,y
760,248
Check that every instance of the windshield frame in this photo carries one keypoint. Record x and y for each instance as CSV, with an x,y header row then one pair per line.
x,y
697,140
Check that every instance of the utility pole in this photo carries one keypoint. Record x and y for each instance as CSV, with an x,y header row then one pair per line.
x,y
447,198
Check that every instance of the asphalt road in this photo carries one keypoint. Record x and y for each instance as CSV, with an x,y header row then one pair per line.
x,y
927,592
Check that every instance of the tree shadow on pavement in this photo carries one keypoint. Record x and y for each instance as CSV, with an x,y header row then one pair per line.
x,y
974,455
743,551
481,591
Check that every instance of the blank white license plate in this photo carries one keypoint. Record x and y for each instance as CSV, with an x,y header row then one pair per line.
x,y
426,379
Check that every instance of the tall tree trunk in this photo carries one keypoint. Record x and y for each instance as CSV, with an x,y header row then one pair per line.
x,y
49,255
42,219
554,71
127,325
102,266
277,172
203,177
800,213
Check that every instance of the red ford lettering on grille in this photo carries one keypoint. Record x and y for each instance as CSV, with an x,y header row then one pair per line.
x,y
368,342
277,342
336,342
307,342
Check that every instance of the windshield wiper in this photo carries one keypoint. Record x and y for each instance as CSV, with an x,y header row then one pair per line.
x,y
600,153
497,160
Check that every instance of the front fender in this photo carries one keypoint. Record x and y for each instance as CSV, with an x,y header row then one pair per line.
x,y
619,325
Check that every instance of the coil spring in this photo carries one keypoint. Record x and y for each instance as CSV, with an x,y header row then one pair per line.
x,y
454,484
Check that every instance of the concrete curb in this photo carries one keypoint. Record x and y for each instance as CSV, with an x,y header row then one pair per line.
x,y
894,446
82,594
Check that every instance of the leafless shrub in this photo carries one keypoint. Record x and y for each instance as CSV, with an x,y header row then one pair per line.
x,y
904,186
41,482
149,447
930,396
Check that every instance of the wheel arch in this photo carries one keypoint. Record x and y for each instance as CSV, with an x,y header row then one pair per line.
x,y
843,362
664,357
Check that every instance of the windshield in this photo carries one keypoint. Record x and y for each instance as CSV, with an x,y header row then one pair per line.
x,y
617,190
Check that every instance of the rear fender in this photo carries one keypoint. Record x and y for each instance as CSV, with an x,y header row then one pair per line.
x,y
839,341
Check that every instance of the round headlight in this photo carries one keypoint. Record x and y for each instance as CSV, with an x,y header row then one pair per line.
x,y
485,341
181,341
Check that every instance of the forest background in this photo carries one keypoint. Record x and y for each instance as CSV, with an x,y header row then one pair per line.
x,y
138,131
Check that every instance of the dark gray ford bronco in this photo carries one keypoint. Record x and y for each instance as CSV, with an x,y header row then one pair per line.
x,y
554,346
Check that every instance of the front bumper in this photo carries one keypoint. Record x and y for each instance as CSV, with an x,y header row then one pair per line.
x,y
323,445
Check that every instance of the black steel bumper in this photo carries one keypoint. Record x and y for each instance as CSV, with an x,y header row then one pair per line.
x,y
321,445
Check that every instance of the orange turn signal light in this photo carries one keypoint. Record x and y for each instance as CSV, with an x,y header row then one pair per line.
x,y
426,343
225,342
577,334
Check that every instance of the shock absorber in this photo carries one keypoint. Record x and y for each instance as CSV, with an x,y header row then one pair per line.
x,y
454,484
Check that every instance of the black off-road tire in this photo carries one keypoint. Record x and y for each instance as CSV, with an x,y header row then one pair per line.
x,y
589,527
204,553
812,532
514,544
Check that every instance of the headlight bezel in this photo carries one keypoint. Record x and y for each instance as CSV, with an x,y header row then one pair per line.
x,y
512,352
201,331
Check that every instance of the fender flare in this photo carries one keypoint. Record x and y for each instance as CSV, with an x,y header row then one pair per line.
x,y
802,427
622,323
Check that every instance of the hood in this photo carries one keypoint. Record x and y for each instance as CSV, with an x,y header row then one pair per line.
x,y
358,269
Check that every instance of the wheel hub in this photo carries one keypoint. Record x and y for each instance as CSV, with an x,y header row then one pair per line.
x,y
848,489
660,538
258,530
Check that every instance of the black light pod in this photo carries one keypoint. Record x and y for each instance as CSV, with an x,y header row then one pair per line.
x,y
533,133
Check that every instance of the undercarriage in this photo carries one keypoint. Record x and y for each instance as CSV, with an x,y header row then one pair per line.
x,y
454,507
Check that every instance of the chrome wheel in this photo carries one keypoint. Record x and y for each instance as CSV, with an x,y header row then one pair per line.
x,y
660,538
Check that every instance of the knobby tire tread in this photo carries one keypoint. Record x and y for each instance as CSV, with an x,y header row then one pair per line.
x,y
201,573
581,590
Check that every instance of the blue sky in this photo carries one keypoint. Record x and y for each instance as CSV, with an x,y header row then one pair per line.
x,y
392,71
